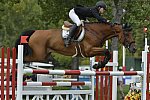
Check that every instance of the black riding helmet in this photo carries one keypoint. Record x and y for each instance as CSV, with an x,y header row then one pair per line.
x,y
101,4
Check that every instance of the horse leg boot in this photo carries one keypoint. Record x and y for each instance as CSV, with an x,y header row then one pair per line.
x,y
102,64
106,59
71,33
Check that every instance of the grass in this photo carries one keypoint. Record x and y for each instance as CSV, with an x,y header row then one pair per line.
x,y
125,90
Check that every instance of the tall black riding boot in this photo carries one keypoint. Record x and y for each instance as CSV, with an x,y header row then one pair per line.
x,y
71,33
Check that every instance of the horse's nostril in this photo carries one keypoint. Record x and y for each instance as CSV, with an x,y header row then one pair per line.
x,y
134,50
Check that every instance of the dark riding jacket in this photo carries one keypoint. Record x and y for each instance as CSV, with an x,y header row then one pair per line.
x,y
84,12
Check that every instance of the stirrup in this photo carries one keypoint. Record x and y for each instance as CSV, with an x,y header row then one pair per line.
x,y
67,42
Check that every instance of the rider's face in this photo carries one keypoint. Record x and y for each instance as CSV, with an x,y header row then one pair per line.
x,y
101,10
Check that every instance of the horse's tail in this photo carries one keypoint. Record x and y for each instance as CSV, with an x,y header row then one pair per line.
x,y
26,50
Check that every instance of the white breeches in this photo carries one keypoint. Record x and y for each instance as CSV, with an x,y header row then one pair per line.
x,y
74,17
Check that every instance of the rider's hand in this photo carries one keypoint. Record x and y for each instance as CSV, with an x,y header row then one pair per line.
x,y
87,20
108,21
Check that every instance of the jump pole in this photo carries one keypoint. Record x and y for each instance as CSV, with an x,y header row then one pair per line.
x,y
2,74
144,80
75,72
123,57
20,73
92,60
7,62
114,83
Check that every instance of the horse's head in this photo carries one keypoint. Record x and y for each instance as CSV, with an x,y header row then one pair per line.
x,y
125,36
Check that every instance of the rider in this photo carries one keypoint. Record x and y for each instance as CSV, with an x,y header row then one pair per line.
x,y
81,12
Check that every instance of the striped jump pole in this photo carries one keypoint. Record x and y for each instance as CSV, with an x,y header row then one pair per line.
x,y
83,73
56,83
51,83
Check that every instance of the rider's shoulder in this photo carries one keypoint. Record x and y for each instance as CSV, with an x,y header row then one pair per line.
x,y
78,5
93,9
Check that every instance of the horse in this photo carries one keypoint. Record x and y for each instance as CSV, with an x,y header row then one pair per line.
x,y
41,43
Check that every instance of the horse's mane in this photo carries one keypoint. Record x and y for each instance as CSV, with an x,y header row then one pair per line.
x,y
27,49
96,23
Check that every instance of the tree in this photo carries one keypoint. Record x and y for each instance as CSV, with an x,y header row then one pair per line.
x,y
18,16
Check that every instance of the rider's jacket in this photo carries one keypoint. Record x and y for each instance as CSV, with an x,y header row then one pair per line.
x,y
84,12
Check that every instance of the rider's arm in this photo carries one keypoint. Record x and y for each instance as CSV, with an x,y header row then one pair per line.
x,y
97,16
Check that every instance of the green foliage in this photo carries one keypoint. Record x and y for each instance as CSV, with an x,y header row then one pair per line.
x,y
64,61
56,10
16,17
138,14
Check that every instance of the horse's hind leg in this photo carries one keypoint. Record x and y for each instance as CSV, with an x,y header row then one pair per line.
x,y
49,58
38,54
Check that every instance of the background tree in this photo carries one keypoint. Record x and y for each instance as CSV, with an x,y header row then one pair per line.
x,y
17,16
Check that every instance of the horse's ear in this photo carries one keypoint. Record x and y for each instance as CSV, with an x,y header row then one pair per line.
x,y
127,27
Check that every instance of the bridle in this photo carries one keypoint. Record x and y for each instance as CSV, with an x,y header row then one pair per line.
x,y
126,43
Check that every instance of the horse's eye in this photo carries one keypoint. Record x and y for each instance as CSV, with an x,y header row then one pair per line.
x,y
126,33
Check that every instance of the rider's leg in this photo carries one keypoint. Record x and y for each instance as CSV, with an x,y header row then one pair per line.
x,y
74,17
77,22
71,33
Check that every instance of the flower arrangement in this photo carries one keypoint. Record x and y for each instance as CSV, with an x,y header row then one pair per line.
x,y
134,93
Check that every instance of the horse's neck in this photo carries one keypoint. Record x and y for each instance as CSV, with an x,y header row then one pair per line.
x,y
103,31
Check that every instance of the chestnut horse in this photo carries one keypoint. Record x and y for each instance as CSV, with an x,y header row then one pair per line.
x,y
43,42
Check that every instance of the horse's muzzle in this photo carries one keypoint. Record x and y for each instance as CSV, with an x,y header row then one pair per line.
x,y
132,48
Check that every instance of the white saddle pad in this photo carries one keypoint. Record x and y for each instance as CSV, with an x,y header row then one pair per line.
x,y
65,33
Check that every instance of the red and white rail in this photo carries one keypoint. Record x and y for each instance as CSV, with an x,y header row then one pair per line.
x,y
51,83
57,83
83,73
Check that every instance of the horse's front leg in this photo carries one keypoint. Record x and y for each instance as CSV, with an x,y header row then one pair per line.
x,y
96,51
101,52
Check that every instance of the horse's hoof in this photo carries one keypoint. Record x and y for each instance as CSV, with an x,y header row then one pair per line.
x,y
95,66
101,64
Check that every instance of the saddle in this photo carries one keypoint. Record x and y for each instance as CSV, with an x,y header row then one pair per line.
x,y
78,36
67,24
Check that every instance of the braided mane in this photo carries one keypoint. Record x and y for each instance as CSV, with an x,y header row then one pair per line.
x,y
96,23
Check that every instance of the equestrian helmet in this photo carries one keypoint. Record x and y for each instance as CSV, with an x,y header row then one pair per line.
x,y
101,4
